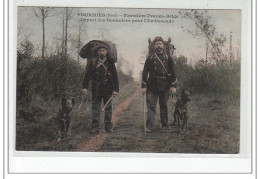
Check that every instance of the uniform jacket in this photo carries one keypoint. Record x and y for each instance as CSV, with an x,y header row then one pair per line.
x,y
104,77
155,77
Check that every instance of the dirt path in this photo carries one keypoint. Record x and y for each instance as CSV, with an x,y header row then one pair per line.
x,y
96,141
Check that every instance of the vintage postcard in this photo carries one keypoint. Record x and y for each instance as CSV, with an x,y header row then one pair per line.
x,y
118,80
156,80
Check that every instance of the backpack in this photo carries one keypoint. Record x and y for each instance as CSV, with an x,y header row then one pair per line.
x,y
89,50
168,47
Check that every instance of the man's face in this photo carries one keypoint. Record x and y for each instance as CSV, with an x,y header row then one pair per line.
x,y
102,52
158,45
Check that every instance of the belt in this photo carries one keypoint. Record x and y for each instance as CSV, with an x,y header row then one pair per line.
x,y
98,82
160,77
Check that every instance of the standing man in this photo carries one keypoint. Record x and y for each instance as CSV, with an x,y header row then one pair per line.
x,y
158,80
102,72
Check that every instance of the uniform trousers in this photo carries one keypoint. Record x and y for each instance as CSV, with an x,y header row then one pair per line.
x,y
151,100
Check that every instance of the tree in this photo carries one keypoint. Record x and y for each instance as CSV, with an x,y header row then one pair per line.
x,y
120,64
104,34
205,28
123,65
130,72
216,52
68,15
27,49
42,13
77,41
22,35
101,32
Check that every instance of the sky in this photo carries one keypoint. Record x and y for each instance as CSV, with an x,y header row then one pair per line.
x,y
131,39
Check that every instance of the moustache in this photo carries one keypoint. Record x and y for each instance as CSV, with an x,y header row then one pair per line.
x,y
159,48
102,55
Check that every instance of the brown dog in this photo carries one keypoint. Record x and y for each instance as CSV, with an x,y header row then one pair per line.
x,y
63,118
181,107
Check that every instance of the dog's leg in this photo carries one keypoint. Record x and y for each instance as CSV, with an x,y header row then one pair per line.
x,y
68,130
174,117
184,121
187,119
178,120
63,128
59,138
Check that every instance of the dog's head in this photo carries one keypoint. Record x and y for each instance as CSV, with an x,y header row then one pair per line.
x,y
185,95
67,104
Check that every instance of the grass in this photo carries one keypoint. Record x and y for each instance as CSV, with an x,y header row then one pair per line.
x,y
213,127
41,133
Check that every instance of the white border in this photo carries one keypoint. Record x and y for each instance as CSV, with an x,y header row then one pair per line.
x,y
53,162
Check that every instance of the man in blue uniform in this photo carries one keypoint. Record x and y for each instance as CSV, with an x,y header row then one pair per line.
x,y
158,80
102,72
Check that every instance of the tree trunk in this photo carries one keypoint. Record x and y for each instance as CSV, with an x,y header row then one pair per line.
x,y
62,40
43,35
207,36
66,32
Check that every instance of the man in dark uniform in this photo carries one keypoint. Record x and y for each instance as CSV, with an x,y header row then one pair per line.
x,y
158,80
102,72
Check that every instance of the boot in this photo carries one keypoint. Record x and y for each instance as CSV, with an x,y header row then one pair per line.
x,y
148,129
94,131
109,129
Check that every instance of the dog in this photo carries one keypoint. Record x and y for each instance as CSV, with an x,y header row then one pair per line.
x,y
63,118
181,108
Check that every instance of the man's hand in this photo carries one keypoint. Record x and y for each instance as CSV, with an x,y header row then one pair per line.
x,y
172,90
143,90
84,91
114,93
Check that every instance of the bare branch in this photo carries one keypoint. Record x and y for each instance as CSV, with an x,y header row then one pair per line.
x,y
207,37
37,15
201,20
48,11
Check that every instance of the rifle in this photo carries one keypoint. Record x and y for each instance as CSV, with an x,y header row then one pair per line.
x,y
110,99
84,98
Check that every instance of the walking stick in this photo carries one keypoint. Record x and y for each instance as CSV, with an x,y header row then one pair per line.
x,y
104,107
144,114
84,98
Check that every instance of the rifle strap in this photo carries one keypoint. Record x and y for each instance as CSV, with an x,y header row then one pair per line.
x,y
102,63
